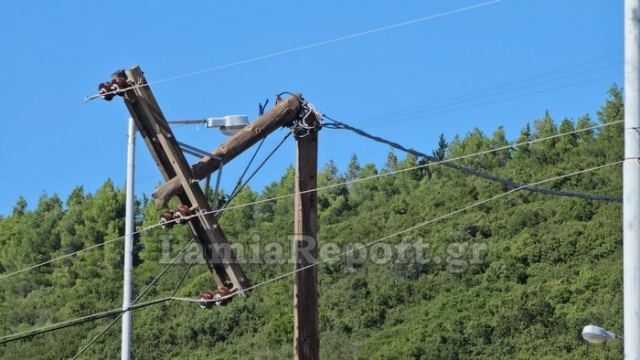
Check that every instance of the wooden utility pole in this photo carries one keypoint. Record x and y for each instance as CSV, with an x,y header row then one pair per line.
x,y
305,246
165,150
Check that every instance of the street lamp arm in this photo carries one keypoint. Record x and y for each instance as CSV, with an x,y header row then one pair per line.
x,y
188,122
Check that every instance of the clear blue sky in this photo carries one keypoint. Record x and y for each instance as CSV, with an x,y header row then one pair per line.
x,y
559,56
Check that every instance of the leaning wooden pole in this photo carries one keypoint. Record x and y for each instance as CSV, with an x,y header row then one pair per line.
x,y
164,148
305,247
281,114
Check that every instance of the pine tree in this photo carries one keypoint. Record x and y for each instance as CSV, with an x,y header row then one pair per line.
x,y
20,207
354,168
584,122
392,161
499,140
441,151
545,127
525,135
613,109
567,142
612,135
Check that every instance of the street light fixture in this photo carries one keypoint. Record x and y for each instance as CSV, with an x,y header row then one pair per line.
x,y
228,125
597,335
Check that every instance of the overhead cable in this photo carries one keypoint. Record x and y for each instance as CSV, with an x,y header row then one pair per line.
x,y
335,124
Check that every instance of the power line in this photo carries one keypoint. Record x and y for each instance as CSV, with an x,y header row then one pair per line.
x,y
240,186
464,169
518,84
47,262
248,166
78,321
306,47
494,101
40,118
452,103
326,187
93,317
184,277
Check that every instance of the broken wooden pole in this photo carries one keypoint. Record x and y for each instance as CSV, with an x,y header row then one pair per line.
x,y
164,148
280,115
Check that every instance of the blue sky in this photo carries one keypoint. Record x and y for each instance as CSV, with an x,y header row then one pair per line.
x,y
503,64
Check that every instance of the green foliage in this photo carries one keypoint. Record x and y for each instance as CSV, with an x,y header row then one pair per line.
x,y
546,266
441,151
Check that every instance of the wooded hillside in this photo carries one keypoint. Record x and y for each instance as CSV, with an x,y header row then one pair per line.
x,y
547,265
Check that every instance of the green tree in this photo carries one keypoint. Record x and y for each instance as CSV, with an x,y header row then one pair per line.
x,y
353,168
441,151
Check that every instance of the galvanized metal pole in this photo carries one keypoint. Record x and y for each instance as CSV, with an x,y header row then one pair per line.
x,y
128,244
631,180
